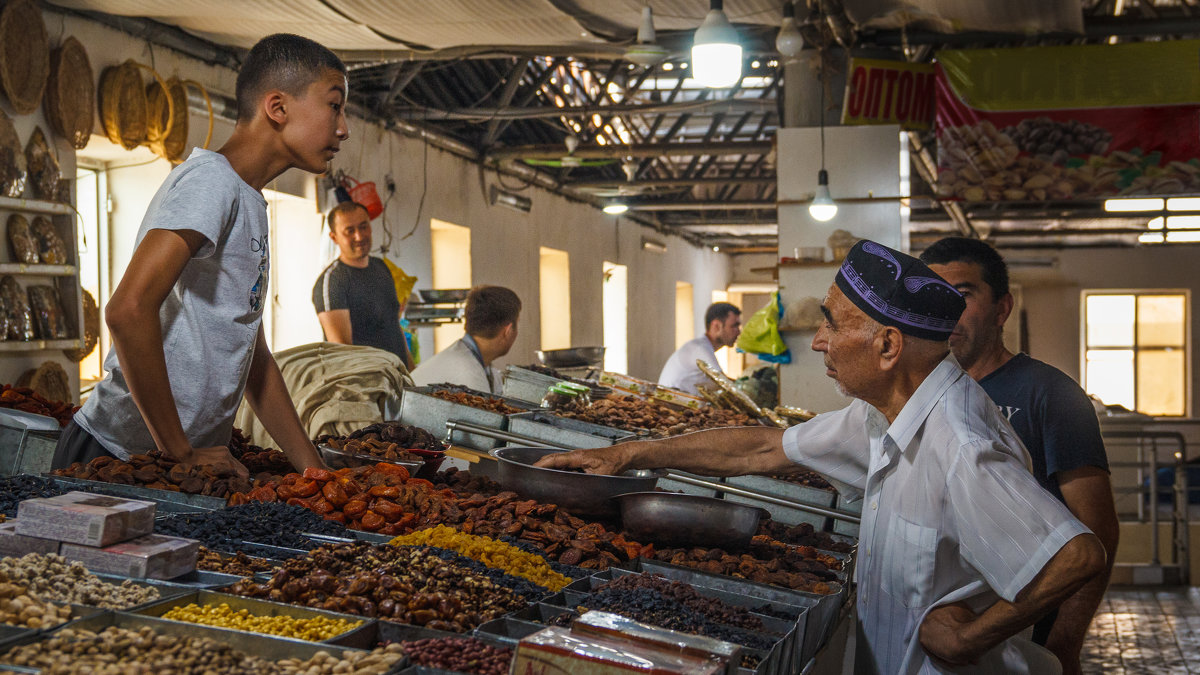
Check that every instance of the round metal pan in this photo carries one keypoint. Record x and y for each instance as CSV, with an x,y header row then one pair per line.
x,y
672,519
572,358
581,494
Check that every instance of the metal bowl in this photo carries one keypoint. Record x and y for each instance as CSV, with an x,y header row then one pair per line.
x,y
443,295
573,357
582,494
672,519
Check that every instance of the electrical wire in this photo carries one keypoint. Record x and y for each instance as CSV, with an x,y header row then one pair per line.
x,y
424,187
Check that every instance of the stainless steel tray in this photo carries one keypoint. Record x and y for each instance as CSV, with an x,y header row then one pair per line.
x,y
337,459
167,498
262,608
204,579
569,433
780,488
844,528
507,629
264,646
420,408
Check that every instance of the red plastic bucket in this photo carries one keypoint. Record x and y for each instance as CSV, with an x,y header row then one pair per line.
x,y
365,194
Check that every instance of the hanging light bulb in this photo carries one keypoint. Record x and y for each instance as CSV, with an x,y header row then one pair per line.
x,y
715,50
789,42
823,207
646,52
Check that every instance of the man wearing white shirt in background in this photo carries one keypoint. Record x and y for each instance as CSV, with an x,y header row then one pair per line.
x,y
960,549
722,325
490,321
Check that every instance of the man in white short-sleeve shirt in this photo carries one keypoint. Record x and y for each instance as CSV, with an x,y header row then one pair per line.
x,y
722,325
960,549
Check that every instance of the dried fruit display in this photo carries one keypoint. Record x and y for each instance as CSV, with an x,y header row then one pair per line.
x,y
273,524
459,655
159,473
406,584
686,594
802,534
483,403
403,435
221,615
239,563
808,478
257,460
787,566
26,399
488,551
634,414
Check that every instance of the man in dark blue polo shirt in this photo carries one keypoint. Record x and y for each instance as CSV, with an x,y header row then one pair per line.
x,y
1049,411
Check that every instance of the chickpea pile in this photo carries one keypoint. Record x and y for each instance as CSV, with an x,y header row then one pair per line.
x,y
490,552
314,629
18,608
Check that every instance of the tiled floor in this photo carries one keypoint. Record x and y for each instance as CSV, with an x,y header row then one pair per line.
x,y
1145,631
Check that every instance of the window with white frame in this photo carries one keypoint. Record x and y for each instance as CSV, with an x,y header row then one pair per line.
x,y
1136,349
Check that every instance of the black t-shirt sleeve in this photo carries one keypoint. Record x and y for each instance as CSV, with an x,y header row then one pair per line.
x,y
1070,430
331,290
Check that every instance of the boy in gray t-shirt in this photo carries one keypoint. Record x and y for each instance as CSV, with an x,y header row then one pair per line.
x,y
186,318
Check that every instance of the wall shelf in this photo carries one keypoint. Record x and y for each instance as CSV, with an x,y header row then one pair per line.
x,y
39,345
43,270
34,206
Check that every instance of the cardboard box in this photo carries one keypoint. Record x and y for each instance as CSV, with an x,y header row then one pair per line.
x,y
558,651
85,518
153,556
17,545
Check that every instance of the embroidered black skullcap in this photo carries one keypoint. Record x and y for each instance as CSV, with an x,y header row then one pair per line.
x,y
898,290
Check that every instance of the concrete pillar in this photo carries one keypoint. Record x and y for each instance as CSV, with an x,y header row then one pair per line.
x,y
860,160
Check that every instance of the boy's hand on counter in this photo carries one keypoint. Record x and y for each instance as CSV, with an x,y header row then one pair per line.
x,y
218,458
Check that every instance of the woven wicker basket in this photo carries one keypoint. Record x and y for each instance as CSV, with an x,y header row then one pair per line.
x,y
24,55
174,138
123,105
70,97
48,380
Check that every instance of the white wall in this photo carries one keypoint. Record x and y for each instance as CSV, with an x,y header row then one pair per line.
x,y
504,242
1052,296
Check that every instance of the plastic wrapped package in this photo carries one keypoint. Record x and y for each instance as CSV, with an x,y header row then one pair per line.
x,y
21,241
48,313
52,250
16,308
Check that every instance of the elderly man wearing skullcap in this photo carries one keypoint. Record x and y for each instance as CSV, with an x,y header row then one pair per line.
x,y
960,549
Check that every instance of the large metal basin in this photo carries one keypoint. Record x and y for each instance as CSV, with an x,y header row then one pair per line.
x,y
580,493
573,357
671,519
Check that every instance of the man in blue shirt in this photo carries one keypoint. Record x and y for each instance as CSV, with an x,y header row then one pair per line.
x,y
1050,412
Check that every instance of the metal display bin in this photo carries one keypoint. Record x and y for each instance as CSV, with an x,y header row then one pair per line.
x,y
420,408
204,579
356,637
822,609
564,431
508,629
786,490
841,526
166,498
263,646
27,442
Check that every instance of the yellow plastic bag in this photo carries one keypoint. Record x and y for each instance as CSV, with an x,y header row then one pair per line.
x,y
760,334
404,283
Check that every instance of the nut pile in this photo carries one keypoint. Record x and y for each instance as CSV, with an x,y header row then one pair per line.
x,y
404,584
19,608
313,629
713,608
239,563
27,400
487,403
273,524
51,578
460,655
120,651
634,414
495,554
158,473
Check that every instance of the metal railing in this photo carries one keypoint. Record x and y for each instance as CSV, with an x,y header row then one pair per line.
x,y
1148,444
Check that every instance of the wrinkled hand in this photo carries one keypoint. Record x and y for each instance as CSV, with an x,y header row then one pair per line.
x,y
942,635
605,461
218,458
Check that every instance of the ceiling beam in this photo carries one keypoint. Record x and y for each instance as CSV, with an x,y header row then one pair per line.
x,y
639,150
506,96
670,182
703,206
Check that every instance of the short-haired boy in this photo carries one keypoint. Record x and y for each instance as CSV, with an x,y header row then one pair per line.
x,y
186,318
